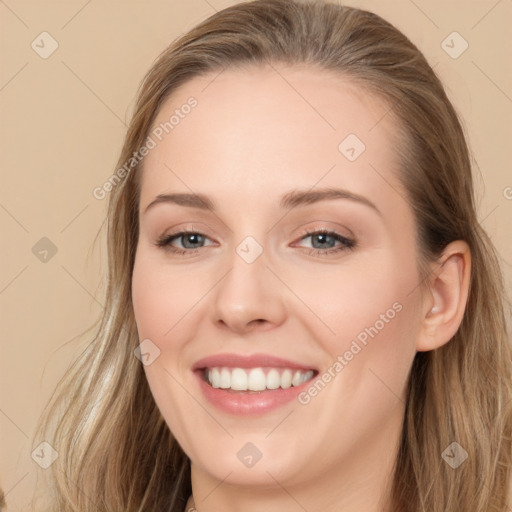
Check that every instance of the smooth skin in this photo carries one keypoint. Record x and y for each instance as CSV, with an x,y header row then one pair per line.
x,y
256,135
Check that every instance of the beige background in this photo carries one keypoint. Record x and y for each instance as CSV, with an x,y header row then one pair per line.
x,y
63,121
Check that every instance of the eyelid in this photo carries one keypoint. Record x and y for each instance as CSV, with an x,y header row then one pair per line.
x,y
189,227
326,226
347,242
164,241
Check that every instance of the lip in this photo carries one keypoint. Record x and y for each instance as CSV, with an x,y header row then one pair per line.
x,y
249,361
247,403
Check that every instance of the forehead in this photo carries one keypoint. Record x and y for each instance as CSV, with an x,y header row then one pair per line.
x,y
270,127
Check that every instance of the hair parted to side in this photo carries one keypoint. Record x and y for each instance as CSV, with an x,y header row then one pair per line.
x,y
116,452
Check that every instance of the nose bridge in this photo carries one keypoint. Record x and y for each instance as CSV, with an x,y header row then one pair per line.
x,y
249,292
248,276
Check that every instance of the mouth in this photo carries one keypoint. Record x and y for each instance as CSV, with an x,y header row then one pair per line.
x,y
258,379
251,384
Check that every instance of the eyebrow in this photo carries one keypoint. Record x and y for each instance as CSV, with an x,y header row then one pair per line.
x,y
290,200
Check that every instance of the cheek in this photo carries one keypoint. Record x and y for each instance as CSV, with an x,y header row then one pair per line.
x,y
160,297
152,302
364,381
361,300
160,302
372,324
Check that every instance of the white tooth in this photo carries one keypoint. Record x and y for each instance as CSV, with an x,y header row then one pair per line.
x,y
225,379
286,379
296,378
273,379
257,380
306,376
239,379
214,377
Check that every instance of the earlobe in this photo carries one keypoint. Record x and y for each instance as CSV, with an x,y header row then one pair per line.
x,y
445,301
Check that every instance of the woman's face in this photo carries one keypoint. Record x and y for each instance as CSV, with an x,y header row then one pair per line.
x,y
280,280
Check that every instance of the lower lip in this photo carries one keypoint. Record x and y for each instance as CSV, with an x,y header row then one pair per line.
x,y
248,402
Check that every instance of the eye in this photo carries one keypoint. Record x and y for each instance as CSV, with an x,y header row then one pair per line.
x,y
191,242
324,242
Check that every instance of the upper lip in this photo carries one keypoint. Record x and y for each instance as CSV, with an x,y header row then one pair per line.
x,y
248,361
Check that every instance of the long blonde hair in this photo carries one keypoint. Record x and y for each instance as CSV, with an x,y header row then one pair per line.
x,y
115,451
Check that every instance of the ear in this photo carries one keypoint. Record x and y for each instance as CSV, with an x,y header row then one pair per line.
x,y
445,301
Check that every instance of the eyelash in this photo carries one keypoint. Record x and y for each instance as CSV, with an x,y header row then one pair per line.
x,y
347,243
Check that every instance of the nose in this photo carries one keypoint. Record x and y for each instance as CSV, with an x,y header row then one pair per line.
x,y
249,297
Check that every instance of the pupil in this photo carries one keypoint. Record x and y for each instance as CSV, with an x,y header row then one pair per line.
x,y
194,238
322,237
